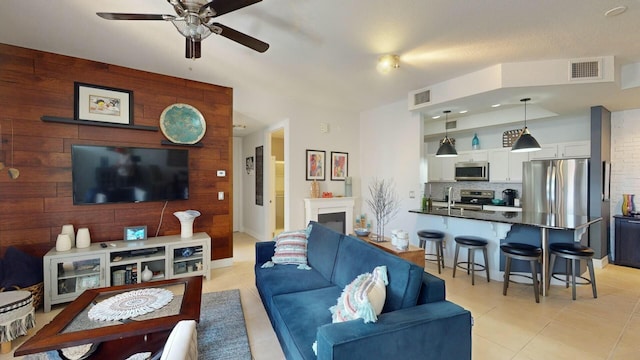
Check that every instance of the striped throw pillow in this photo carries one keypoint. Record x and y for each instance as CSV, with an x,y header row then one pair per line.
x,y
363,298
291,248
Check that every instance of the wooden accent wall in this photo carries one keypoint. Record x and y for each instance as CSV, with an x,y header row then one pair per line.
x,y
34,207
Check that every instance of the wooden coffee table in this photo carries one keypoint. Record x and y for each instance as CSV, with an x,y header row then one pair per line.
x,y
413,254
118,340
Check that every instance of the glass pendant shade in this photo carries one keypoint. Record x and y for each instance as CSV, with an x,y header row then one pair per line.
x,y
446,149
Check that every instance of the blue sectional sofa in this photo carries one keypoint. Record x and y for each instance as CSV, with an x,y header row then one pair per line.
x,y
416,321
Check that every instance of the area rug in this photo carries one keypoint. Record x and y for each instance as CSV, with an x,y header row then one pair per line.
x,y
222,333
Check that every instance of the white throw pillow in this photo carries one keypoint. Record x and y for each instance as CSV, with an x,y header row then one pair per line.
x,y
182,343
363,298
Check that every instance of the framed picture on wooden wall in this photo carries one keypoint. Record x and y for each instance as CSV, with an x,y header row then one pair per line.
x,y
103,104
315,165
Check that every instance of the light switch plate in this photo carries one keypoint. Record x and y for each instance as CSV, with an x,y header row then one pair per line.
x,y
220,195
221,173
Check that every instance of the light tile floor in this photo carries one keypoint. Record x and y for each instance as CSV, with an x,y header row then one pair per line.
x,y
506,327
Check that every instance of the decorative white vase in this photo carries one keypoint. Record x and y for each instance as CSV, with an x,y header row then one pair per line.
x,y
402,240
83,238
68,229
186,222
146,274
63,242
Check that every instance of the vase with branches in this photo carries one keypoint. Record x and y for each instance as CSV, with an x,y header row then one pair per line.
x,y
383,203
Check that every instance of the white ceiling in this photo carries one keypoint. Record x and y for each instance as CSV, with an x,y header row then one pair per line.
x,y
323,52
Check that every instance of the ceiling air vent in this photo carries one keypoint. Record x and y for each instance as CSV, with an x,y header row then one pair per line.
x,y
422,97
585,69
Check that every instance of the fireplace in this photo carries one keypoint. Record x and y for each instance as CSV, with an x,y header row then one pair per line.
x,y
336,213
335,221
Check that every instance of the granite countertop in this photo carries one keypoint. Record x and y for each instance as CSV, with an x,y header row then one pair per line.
x,y
543,220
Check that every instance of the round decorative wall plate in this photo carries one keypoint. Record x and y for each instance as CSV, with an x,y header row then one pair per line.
x,y
182,124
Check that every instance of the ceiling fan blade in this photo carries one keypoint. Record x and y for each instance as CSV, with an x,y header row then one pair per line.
x,y
221,7
124,16
237,36
192,49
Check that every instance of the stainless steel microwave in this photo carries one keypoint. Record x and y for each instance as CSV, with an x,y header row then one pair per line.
x,y
472,171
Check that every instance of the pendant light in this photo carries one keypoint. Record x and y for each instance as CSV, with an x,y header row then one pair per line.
x,y
446,148
525,141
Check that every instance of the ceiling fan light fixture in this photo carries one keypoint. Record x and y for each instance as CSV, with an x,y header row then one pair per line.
x,y
446,149
388,62
525,142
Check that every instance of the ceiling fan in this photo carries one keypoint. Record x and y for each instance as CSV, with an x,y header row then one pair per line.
x,y
195,22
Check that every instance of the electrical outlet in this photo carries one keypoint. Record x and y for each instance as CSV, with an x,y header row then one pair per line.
x,y
221,173
220,195
412,194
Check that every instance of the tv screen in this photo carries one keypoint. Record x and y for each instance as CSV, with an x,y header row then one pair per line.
x,y
117,174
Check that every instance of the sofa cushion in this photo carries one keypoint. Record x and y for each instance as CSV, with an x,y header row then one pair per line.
x,y
356,257
363,298
297,318
291,247
284,279
322,248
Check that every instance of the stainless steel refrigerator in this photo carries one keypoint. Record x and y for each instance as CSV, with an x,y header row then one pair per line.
x,y
556,186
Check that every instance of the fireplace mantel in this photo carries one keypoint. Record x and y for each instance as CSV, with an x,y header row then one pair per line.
x,y
313,207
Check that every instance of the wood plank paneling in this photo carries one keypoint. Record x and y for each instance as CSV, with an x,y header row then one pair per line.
x,y
34,207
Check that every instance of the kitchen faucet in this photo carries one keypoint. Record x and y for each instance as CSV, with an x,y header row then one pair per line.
x,y
450,201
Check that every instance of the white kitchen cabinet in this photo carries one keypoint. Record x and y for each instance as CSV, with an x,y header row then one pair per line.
x,y
564,150
506,166
441,169
547,151
574,149
472,156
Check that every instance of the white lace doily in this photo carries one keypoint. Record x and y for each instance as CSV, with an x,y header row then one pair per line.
x,y
130,304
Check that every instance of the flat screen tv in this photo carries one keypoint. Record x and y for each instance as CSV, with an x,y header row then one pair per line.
x,y
118,174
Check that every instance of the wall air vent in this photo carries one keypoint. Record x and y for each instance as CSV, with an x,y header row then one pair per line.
x,y
451,125
585,69
422,97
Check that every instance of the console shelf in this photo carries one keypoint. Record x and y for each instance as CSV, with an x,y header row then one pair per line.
x,y
69,273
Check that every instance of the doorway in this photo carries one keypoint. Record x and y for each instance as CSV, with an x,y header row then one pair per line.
x,y
277,184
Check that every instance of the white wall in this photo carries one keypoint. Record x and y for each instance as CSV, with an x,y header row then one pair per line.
x,y
303,133
546,131
391,149
625,159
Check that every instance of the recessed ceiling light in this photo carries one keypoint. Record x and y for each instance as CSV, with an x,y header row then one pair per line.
x,y
495,105
436,117
615,11
463,111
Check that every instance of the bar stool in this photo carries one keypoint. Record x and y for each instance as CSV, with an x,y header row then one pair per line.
x,y
524,252
471,243
574,252
438,238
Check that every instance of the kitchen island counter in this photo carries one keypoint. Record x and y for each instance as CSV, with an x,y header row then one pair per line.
x,y
507,226
541,220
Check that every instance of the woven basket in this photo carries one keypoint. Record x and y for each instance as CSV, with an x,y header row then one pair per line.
x,y
37,292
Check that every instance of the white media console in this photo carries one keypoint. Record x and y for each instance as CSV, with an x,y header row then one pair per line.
x,y
68,273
